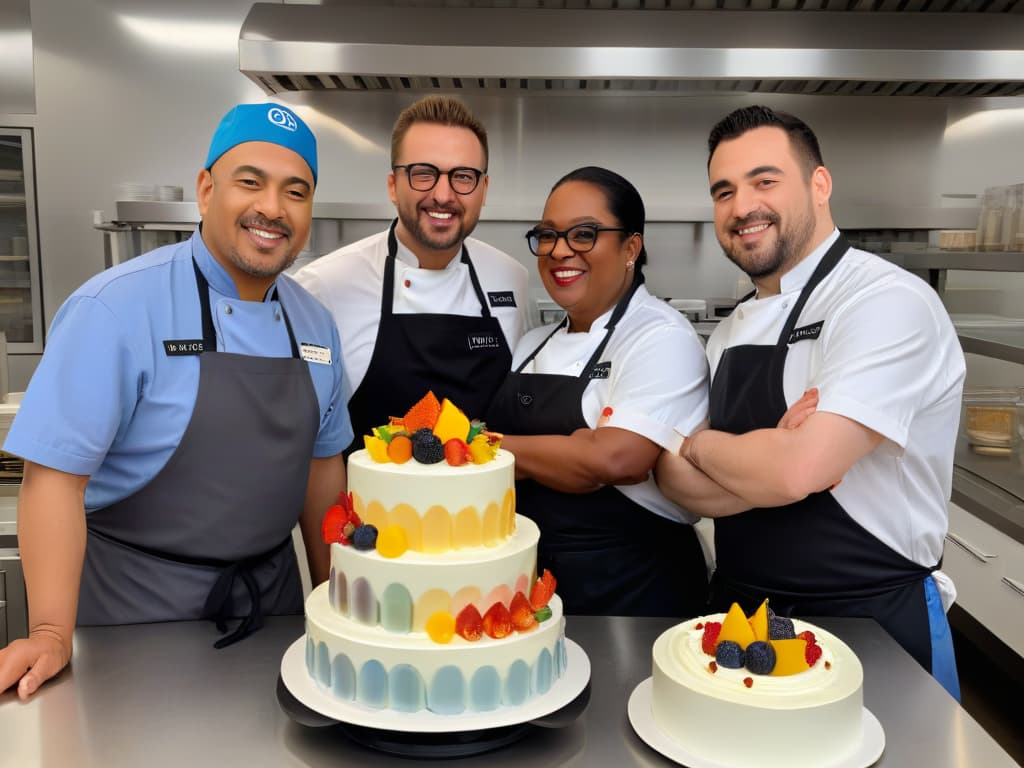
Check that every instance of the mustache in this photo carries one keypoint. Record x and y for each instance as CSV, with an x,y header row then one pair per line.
x,y
757,217
261,222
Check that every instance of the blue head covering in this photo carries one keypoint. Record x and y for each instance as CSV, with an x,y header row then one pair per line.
x,y
263,122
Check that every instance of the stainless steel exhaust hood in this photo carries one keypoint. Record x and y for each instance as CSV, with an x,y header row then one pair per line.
x,y
298,47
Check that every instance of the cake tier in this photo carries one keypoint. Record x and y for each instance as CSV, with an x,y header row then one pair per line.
x,y
811,718
407,673
437,514
400,594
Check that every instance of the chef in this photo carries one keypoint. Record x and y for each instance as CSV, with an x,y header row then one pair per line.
x,y
842,511
423,306
189,402
592,401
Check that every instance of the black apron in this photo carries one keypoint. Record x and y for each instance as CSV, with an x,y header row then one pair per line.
x,y
210,535
459,357
809,558
610,555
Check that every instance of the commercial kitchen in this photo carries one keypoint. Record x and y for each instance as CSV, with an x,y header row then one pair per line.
x,y
106,107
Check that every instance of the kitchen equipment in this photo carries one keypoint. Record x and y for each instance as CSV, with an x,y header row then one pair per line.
x,y
991,419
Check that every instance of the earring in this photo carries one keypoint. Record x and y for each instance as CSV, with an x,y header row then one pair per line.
x,y
629,264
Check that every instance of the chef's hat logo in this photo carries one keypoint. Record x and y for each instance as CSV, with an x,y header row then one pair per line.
x,y
282,119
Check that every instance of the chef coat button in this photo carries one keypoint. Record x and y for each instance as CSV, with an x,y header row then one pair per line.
x,y
227,309
408,283
739,313
785,305
277,316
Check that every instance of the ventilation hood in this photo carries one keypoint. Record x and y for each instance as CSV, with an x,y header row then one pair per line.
x,y
298,47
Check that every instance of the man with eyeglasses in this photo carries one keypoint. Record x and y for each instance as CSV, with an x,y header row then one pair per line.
x,y
423,306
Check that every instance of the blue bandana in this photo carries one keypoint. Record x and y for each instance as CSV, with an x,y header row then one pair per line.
x,y
263,122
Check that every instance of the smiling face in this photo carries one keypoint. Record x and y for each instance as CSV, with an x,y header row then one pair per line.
x,y
433,224
586,285
768,214
256,204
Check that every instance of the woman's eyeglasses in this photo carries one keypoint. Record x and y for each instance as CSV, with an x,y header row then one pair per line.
x,y
580,239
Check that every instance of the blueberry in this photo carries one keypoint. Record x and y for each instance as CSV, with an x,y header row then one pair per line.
x,y
426,447
729,654
780,628
365,537
760,658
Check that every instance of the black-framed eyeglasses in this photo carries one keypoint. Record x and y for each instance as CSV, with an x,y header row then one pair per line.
x,y
423,177
580,238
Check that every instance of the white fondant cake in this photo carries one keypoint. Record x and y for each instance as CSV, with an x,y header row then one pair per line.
x,y
736,718
366,627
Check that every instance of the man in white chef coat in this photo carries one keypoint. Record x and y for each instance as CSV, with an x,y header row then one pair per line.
x,y
423,306
833,503
186,413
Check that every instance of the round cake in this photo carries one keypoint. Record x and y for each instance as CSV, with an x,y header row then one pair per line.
x,y
810,715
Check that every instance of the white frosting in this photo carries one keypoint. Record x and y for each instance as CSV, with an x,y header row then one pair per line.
x,y
810,718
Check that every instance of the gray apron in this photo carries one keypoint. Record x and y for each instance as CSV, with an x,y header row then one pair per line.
x,y
210,535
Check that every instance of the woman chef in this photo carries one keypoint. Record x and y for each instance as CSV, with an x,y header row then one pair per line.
x,y
593,400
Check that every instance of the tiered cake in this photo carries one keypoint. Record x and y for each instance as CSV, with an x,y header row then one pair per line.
x,y
757,692
433,600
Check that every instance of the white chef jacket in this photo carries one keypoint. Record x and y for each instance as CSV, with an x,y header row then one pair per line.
x,y
887,357
657,384
349,282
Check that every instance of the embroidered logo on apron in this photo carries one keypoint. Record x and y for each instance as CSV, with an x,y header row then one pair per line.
x,y
501,298
601,370
179,347
524,399
483,341
806,333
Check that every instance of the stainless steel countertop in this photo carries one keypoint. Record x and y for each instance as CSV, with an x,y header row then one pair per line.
x,y
160,695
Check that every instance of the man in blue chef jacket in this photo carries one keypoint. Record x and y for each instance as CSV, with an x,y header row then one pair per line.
x,y
842,510
189,408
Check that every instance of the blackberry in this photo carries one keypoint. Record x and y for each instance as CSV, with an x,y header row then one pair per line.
x,y
729,654
365,537
780,628
426,447
760,658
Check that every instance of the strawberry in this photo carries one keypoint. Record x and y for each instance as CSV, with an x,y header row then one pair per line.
x,y
468,624
709,639
522,613
332,529
456,452
497,621
812,654
542,590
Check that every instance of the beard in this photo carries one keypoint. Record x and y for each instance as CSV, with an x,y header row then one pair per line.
x,y
763,259
261,269
438,241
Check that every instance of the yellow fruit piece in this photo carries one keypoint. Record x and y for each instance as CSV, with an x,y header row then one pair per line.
x,y
790,656
759,622
392,542
451,423
735,627
377,449
441,627
481,450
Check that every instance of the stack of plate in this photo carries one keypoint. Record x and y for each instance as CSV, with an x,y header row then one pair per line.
x,y
131,191
171,194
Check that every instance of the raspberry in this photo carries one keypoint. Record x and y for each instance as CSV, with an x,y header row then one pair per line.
x,y
812,654
709,640
699,625
426,448
807,636
760,658
729,654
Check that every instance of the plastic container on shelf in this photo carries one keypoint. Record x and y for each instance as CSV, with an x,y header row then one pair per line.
x,y
992,418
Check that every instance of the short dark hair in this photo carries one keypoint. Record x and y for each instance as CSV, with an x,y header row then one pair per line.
x,y
440,110
623,200
739,121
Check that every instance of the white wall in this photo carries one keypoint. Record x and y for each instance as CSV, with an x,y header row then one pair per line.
x,y
112,107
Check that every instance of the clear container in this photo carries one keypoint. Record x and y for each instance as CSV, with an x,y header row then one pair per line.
x,y
991,419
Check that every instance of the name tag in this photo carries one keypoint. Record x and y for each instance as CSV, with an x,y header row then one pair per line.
x,y
179,347
807,332
501,298
601,370
314,353
483,341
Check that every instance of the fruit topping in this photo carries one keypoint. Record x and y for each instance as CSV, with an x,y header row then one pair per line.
x,y
481,450
780,628
760,658
542,590
713,666
497,621
451,423
790,657
542,614
392,542
812,653
709,640
807,636
700,625
522,613
365,537
736,628
828,665
475,428
468,624
729,654
748,681
441,627
426,448
456,452
423,415
400,449
377,449
759,622
332,528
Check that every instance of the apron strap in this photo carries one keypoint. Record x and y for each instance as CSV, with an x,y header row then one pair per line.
x,y
620,310
826,265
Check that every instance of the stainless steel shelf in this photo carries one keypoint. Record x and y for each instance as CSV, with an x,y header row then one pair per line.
x,y
1000,343
986,261
991,488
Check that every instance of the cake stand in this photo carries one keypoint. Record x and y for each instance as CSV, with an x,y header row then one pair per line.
x,y
424,733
